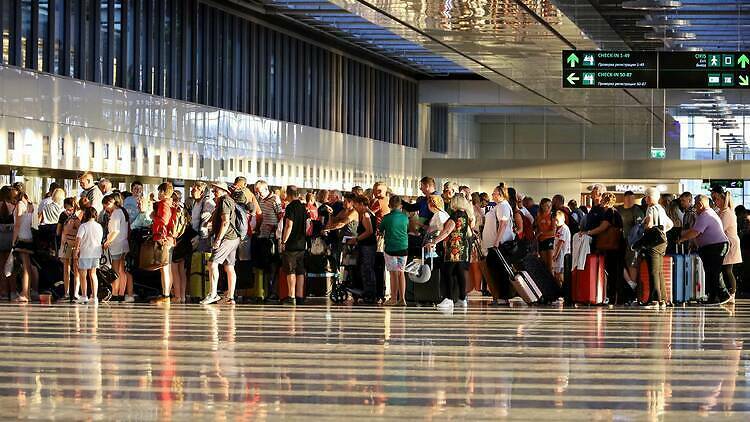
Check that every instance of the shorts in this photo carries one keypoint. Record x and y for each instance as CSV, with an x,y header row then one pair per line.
x,y
293,262
226,253
25,246
547,245
66,251
395,263
88,263
118,256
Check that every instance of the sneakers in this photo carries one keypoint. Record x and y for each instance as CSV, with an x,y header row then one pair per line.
x,y
445,304
128,299
81,300
289,301
463,303
210,299
499,302
226,300
651,305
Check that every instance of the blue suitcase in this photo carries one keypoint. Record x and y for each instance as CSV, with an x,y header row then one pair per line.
x,y
680,275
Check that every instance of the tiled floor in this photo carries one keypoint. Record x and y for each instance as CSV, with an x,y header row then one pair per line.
x,y
317,363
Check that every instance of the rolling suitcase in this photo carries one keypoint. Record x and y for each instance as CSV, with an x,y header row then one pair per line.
x,y
499,274
590,284
527,288
320,275
257,291
428,292
644,293
540,274
695,284
199,284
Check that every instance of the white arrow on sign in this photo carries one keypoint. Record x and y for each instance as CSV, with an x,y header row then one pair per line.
x,y
572,78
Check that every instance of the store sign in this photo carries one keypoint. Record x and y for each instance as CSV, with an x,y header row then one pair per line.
x,y
651,69
632,188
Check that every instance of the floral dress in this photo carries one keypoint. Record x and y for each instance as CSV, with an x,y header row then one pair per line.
x,y
458,244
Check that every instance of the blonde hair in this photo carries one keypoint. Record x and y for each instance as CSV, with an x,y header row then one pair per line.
x,y
436,201
460,203
58,195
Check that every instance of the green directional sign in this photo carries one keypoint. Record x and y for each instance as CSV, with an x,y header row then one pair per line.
x,y
658,153
572,78
743,61
744,80
573,60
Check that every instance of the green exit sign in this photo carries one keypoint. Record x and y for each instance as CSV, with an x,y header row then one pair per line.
x,y
658,153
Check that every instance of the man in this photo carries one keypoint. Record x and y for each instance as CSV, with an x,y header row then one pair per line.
x,y
105,186
713,245
293,245
200,216
242,195
596,214
45,201
427,187
224,246
687,209
358,191
266,224
90,191
131,202
498,229
335,201
632,215
530,206
558,204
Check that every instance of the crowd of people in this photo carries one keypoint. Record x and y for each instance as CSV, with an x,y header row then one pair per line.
x,y
277,229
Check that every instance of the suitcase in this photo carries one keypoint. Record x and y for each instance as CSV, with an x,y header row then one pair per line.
x,y
590,284
679,279
320,275
499,274
695,284
283,286
257,290
527,288
644,293
428,292
199,284
540,274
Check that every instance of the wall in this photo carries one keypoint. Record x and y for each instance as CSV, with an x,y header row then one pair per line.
x,y
160,131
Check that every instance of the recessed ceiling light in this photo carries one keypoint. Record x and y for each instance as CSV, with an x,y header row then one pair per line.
x,y
662,22
651,4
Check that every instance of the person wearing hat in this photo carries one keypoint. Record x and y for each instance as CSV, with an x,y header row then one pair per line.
x,y
225,242
712,248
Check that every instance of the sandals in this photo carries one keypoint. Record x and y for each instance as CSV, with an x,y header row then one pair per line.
x,y
21,299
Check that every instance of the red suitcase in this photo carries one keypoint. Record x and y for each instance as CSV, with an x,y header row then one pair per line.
x,y
590,285
644,287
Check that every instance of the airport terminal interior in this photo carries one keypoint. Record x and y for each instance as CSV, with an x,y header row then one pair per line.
x,y
374,209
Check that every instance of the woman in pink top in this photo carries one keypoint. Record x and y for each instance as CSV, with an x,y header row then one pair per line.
x,y
723,200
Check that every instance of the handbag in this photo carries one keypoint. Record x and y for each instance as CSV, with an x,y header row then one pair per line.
x,y
9,264
154,255
244,250
609,240
651,238
105,273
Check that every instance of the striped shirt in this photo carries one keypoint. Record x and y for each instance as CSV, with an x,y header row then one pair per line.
x,y
270,207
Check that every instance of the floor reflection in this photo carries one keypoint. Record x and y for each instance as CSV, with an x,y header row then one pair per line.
x,y
143,362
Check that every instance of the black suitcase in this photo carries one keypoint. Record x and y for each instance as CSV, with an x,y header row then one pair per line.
x,y
320,275
501,273
429,292
543,278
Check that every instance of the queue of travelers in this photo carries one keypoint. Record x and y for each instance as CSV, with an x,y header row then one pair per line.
x,y
100,228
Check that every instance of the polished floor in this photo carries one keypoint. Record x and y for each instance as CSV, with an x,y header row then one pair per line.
x,y
145,362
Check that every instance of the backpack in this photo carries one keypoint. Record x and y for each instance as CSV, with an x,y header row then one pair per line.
x,y
240,220
179,222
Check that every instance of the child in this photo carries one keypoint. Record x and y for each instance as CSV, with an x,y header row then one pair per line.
x,y
562,246
90,237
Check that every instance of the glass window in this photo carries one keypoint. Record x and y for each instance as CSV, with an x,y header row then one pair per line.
x,y
57,42
74,23
11,141
26,59
92,148
169,158
61,147
106,151
42,35
117,45
179,159
132,153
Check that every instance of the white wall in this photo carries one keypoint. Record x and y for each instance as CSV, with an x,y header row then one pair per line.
x,y
85,114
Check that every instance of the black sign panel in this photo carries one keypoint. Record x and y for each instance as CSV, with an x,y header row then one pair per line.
x,y
609,69
650,69
704,70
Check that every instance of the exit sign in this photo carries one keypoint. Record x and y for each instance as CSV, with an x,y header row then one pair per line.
x,y
658,153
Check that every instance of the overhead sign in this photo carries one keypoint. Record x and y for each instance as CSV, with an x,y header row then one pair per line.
x,y
651,69
658,153
609,69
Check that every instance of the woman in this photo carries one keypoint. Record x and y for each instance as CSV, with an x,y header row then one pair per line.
x,y
23,242
67,229
312,213
545,232
7,212
457,248
89,241
181,251
609,241
656,224
163,219
366,244
116,244
723,200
